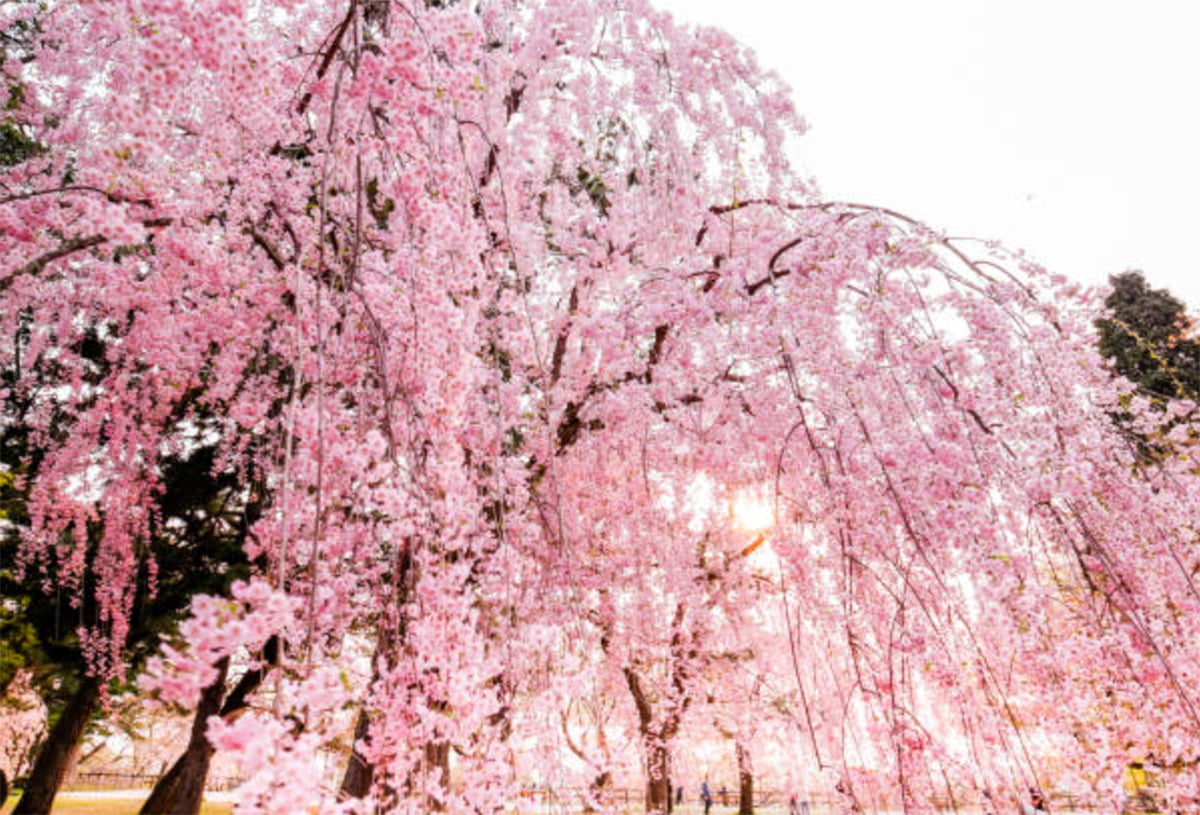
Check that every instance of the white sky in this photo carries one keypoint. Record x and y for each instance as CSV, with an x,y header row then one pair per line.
x,y
1070,129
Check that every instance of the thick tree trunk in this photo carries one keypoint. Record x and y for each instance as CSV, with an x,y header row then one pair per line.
x,y
745,782
656,741
59,750
360,773
182,787
658,780
437,771
181,790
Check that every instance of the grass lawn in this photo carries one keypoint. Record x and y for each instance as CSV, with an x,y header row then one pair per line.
x,y
78,804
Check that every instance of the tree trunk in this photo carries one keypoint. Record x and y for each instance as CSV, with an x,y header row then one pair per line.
x,y
437,771
181,788
360,773
596,790
655,743
658,781
59,751
745,782
180,791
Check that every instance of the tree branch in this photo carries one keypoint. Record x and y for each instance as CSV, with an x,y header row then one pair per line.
x,y
327,60
35,266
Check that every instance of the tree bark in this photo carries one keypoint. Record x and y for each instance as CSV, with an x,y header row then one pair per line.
x,y
181,790
182,786
656,742
596,790
437,771
360,773
745,782
59,751
658,781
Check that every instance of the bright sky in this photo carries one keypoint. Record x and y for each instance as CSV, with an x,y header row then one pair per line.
x,y
1070,129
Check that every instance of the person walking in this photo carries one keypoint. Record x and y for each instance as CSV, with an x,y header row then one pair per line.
x,y
706,796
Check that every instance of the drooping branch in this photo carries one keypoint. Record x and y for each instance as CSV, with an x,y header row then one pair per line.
x,y
329,52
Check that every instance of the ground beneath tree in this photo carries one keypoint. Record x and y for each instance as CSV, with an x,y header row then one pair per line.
x,y
127,802
119,802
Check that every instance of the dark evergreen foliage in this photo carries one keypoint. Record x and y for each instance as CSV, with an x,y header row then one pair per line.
x,y
1147,339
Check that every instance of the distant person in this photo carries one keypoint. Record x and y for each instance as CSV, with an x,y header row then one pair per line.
x,y
679,795
706,796
724,796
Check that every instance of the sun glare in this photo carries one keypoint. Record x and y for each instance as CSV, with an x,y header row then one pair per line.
x,y
752,512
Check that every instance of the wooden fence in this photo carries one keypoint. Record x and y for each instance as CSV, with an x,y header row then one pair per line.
x,y
134,781
574,799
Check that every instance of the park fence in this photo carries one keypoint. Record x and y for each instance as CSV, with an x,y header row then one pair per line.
x,y
630,799
117,780
571,799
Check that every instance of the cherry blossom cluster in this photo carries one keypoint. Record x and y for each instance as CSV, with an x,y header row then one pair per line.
x,y
498,309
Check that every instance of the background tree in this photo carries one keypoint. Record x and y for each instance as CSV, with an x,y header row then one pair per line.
x,y
194,546
1148,339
